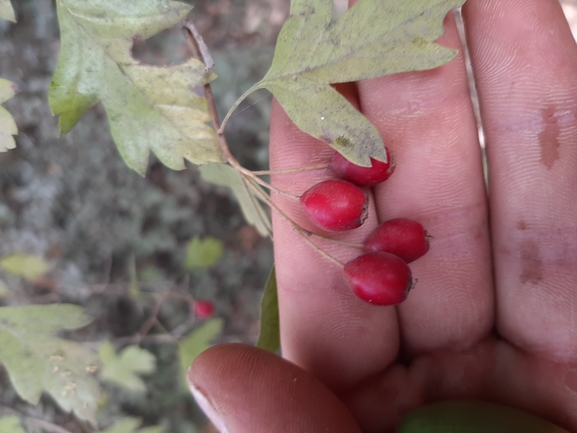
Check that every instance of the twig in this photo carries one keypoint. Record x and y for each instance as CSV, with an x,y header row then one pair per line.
x,y
149,323
249,178
204,52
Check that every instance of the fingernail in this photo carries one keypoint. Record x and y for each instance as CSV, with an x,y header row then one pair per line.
x,y
208,409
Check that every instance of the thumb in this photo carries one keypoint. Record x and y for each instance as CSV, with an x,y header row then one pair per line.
x,y
245,389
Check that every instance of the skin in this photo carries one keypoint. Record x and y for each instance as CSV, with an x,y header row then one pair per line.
x,y
494,313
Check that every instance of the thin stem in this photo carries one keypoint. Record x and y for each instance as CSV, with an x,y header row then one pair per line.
x,y
304,233
228,157
267,185
200,46
291,170
269,202
265,222
234,107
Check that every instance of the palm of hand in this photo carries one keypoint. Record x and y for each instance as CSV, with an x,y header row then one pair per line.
x,y
493,316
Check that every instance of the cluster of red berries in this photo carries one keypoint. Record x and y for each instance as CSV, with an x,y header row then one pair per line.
x,y
381,276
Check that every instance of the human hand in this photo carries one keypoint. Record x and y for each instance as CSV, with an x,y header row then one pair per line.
x,y
494,314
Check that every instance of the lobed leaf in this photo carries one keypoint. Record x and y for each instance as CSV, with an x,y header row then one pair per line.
x,y
372,39
123,369
8,126
6,11
36,361
149,108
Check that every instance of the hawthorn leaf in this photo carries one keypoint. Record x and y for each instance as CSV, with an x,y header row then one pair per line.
x,y
203,253
198,341
130,425
7,124
251,207
36,361
11,424
372,39
149,108
122,369
24,265
6,11
269,335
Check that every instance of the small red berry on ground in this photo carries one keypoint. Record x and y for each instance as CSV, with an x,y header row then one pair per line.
x,y
336,205
203,309
363,176
379,278
400,236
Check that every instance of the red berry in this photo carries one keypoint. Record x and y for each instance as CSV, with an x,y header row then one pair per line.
x,y
400,236
336,205
363,176
379,278
203,309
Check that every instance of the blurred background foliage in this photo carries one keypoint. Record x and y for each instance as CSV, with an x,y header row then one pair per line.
x,y
134,252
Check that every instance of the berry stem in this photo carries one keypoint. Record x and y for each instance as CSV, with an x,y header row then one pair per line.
x,y
252,175
304,233
292,170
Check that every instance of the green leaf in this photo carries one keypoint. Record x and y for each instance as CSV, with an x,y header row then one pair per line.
x,y
7,124
130,425
254,213
473,417
269,336
6,11
36,361
148,107
123,369
11,423
203,253
198,341
372,39
24,265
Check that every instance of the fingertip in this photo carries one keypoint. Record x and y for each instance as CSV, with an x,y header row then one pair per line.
x,y
245,389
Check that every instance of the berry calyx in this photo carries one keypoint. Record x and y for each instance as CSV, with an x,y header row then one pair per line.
x,y
203,309
400,236
363,176
379,278
336,205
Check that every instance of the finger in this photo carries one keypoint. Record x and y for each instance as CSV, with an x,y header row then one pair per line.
x,y
325,328
245,389
427,121
526,71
